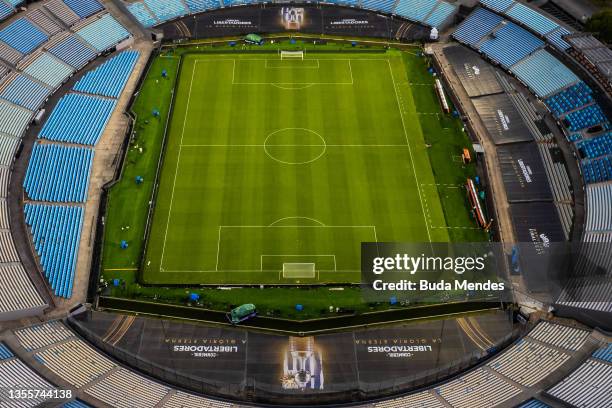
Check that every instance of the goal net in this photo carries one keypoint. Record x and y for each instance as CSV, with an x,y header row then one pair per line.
x,y
291,54
298,270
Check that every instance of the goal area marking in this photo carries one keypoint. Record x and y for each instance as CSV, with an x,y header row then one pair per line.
x,y
291,54
299,270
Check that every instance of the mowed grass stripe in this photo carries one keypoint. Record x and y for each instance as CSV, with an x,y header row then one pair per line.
x,y
241,185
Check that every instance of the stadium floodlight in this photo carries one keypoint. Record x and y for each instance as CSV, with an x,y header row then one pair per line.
x,y
292,270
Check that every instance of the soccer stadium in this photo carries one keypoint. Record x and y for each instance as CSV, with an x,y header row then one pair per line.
x,y
342,203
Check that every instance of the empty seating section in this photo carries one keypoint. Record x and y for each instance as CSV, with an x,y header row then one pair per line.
x,y
527,362
73,51
478,388
76,404
531,18
498,5
597,146
569,338
5,10
126,389
533,404
79,119
480,23
25,92
440,14
599,211
56,231
502,46
75,362
8,253
58,173
543,73
50,70
142,14
16,375
13,119
386,6
110,78
15,3
16,290
84,8
5,353
586,387
415,10
23,36
585,118
64,13
42,335
104,33
167,9
9,54
45,22
597,170
422,400
8,146
556,38
570,99
202,5
604,353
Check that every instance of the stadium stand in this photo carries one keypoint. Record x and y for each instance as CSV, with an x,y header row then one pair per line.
x,y
142,14
197,6
572,98
23,36
13,119
84,8
597,146
42,335
56,232
498,5
599,211
556,38
73,51
15,374
386,6
8,145
597,170
103,33
585,118
568,338
78,119
531,18
165,10
477,26
543,73
122,387
587,387
45,22
534,403
110,78
5,353
6,11
501,47
62,12
604,353
9,54
441,13
416,10
49,70
58,173
17,292
25,92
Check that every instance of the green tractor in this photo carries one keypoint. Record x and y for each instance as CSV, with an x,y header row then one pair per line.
x,y
242,313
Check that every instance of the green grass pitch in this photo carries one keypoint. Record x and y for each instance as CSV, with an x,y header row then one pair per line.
x,y
271,162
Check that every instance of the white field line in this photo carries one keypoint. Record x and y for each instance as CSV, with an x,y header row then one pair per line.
x,y
399,107
294,145
161,262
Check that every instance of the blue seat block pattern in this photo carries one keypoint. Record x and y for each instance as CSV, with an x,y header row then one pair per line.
x,y
78,119
25,92
73,52
497,5
415,10
385,6
104,33
84,8
478,24
56,232
110,78
440,14
534,403
167,9
141,13
5,10
587,117
604,353
76,404
597,146
570,99
5,352
23,36
544,73
502,46
202,5
58,173
532,19
597,170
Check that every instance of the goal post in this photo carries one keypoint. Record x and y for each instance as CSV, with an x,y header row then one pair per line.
x,y
291,54
295,270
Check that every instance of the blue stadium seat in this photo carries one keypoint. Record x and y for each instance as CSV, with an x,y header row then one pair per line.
x,y
570,99
110,78
24,92
58,173
543,73
597,170
498,5
167,9
597,146
440,14
73,51
23,36
84,8
480,23
197,6
415,10
5,10
586,117
142,14
604,353
531,18
78,119
385,6
5,353
104,33
502,46
56,232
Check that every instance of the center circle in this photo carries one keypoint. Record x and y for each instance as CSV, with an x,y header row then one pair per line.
x,y
295,146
